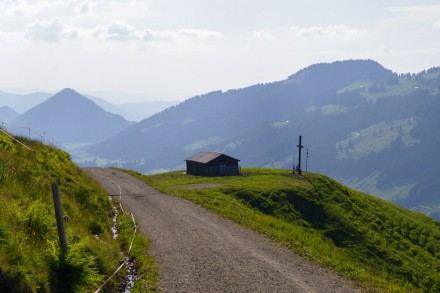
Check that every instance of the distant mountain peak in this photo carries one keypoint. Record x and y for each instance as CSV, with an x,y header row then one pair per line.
x,y
71,117
69,98
355,69
68,91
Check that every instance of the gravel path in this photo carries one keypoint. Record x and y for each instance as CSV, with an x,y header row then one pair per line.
x,y
197,251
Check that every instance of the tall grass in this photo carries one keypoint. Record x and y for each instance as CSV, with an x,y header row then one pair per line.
x,y
30,256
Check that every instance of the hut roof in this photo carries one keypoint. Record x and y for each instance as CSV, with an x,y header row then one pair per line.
x,y
206,157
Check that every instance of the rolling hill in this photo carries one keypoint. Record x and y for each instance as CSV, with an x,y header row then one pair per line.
x,y
370,128
69,117
384,247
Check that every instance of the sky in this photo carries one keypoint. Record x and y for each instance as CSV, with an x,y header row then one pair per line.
x,y
143,50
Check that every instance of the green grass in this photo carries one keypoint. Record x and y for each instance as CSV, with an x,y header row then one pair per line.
x,y
379,245
375,139
30,256
369,185
405,86
356,86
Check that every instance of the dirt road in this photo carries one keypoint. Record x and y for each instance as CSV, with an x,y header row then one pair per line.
x,y
197,251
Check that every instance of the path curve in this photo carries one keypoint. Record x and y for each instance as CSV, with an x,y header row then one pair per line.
x,y
197,251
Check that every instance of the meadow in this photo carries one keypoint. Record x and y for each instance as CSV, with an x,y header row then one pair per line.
x,y
383,247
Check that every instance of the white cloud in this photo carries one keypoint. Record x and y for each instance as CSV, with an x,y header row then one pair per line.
x,y
199,33
417,10
167,37
412,17
338,30
116,31
93,8
121,31
85,7
53,30
262,35
111,9
101,20
152,36
384,50
28,7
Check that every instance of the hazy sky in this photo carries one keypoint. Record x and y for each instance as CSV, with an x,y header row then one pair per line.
x,y
132,50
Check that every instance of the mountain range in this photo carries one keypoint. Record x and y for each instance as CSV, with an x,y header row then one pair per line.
x,y
361,123
371,128
71,118
135,111
22,102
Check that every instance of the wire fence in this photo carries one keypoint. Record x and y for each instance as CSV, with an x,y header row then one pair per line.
x,y
15,135
16,140
29,133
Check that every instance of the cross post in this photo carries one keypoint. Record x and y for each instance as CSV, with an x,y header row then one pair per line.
x,y
300,146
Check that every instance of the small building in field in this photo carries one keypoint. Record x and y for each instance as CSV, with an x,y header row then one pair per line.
x,y
212,164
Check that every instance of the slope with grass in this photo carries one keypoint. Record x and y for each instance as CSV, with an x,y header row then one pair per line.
x,y
378,244
372,129
30,256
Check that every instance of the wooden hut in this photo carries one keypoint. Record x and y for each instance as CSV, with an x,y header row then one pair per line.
x,y
212,164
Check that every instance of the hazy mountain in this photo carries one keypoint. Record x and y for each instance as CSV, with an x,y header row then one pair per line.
x,y
7,114
109,107
371,128
130,111
69,117
133,111
142,110
22,102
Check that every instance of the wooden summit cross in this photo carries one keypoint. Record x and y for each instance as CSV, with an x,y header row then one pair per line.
x,y
300,146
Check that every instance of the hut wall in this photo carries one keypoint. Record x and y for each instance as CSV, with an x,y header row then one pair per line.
x,y
221,166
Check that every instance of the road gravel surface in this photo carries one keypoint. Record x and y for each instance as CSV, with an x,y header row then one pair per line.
x,y
198,251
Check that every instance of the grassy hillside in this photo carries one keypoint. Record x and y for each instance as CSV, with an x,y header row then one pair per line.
x,y
382,246
30,256
375,130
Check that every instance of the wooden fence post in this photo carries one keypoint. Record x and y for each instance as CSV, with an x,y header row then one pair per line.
x,y
59,217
